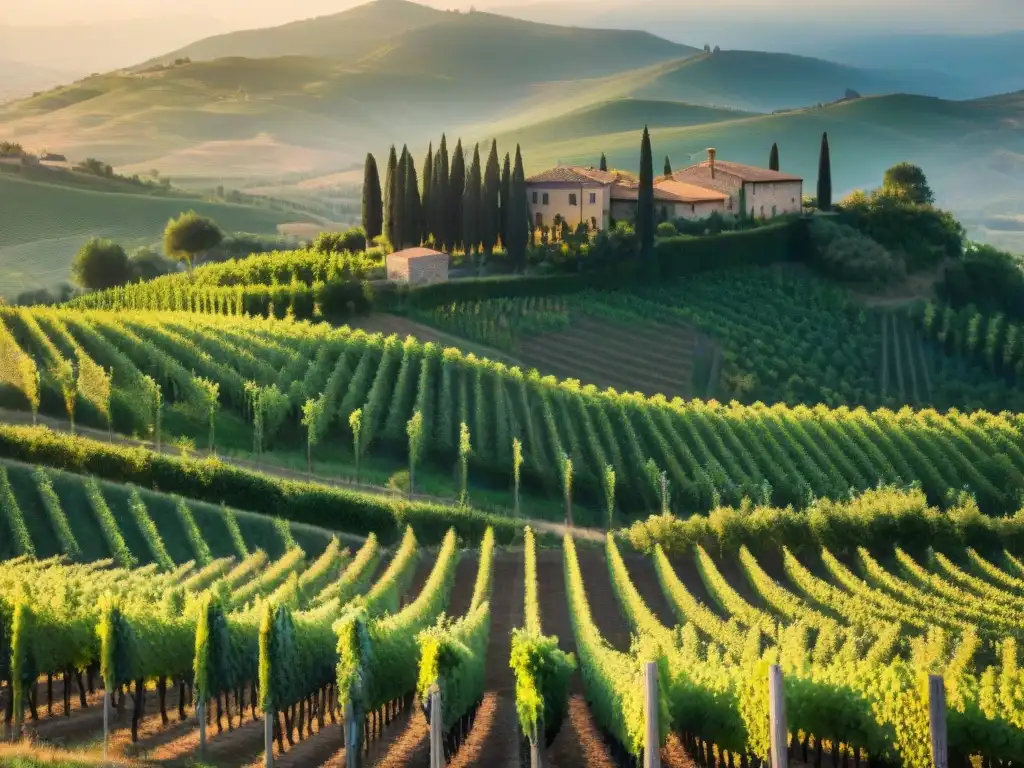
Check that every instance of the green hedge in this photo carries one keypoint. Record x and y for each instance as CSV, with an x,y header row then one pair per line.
x,y
683,255
877,520
216,482
676,257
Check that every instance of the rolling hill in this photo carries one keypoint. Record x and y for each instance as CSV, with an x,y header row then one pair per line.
x,y
21,79
44,225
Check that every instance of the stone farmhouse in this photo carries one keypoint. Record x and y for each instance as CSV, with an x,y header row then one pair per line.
x,y
595,197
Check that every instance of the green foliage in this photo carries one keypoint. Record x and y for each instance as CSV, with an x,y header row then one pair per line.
x,y
908,181
58,518
189,236
844,253
111,534
645,206
353,241
13,519
149,531
921,234
100,264
373,204
198,544
824,196
876,520
986,277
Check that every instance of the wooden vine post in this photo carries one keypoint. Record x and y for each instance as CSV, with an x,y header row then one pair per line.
x,y
106,720
777,716
353,737
436,730
538,733
201,715
937,718
269,716
652,737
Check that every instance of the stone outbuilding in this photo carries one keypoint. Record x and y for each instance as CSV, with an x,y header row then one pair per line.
x,y
418,266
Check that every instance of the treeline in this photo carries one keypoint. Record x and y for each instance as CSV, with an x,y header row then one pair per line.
x,y
461,204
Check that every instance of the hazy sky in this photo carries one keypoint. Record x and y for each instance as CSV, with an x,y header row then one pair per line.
x,y
902,15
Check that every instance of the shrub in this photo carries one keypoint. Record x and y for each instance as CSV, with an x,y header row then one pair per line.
x,y
923,234
990,279
351,240
843,253
666,229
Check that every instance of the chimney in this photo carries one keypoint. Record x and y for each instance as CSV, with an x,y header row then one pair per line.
x,y
711,161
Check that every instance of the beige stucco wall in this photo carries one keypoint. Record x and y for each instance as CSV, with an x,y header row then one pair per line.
x,y
558,204
698,210
428,269
774,199
398,268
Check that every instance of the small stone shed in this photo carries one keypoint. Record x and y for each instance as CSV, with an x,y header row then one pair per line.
x,y
418,266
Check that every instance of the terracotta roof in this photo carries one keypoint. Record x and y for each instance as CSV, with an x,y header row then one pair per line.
x,y
688,193
576,174
745,172
415,253
668,191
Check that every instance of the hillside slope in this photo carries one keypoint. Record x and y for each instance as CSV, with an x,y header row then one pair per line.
x,y
44,225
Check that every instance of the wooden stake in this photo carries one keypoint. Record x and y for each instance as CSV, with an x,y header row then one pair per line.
x,y
535,745
777,714
652,740
937,716
201,716
353,737
436,730
268,738
106,721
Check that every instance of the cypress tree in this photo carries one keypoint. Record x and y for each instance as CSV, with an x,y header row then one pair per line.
x,y
825,176
604,162
373,206
399,241
413,204
506,191
456,191
436,202
668,166
390,180
428,179
645,203
490,202
471,205
518,216
442,204
773,158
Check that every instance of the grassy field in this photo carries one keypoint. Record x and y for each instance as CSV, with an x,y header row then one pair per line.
x,y
44,225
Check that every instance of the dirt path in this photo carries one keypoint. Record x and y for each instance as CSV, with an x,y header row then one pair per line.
x,y
579,742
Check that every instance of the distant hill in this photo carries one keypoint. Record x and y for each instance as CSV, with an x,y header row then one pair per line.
x,y
44,225
19,79
345,36
764,82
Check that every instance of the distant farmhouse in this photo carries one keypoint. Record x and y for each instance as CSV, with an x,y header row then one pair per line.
x,y
596,198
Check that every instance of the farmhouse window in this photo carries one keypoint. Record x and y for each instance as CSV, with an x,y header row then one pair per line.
x,y
535,198
572,198
545,200
593,198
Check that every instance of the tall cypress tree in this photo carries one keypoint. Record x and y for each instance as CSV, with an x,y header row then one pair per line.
x,y
518,217
390,180
604,162
506,191
412,227
645,203
490,201
373,206
441,200
456,191
399,241
428,178
773,158
825,176
668,166
436,202
471,205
